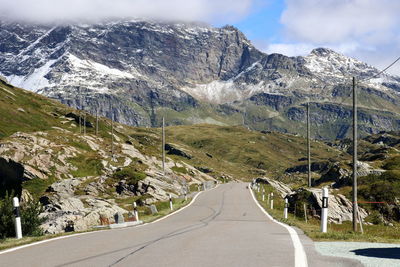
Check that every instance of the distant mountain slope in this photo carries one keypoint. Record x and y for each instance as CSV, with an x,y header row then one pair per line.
x,y
138,71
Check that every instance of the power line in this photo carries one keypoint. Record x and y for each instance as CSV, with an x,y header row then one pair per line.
x,y
382,71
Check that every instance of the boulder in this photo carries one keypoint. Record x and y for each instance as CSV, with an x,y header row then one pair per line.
x,y
340,208
76,119
315,167
64,187
59,210
173,149
282,188
337,175
205,169
11,175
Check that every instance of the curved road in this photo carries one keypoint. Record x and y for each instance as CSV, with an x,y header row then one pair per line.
x,y
223,227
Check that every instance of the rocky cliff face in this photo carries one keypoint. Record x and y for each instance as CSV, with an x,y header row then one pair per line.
x,y
138,71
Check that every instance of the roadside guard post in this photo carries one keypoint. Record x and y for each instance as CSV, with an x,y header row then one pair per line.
x,y
135,211
170,202
324,211
285,209
17,220
263,194
272,200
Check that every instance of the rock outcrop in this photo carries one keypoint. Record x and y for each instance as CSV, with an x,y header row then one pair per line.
x,y
64,156
340,208
174,149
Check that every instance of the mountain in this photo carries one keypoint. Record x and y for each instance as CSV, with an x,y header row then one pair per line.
x,y
139,71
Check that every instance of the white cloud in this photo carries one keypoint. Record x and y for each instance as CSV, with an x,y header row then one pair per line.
x,y
326,21
365,29
89,10
297,49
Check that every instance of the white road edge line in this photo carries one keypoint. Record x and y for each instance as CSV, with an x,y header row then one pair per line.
x,y
300,257
79,234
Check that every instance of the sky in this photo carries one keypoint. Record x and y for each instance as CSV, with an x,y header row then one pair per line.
x,y
367,30
364,29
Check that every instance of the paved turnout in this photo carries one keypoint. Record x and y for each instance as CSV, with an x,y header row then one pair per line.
x,y
223,227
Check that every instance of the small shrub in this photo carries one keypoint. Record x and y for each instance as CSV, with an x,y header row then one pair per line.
x,y
382,188
6,217
180,169
392,164
132,177
30,218
375,217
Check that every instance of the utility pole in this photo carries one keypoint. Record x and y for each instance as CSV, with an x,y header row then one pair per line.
x,y
163,145
112,134
308,144
97,121
355,205
84,123
243,117
80,111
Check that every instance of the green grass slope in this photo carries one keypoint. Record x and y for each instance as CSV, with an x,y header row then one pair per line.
x,y
229,150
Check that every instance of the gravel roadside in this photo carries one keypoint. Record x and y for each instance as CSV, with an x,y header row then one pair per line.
x,y
370,254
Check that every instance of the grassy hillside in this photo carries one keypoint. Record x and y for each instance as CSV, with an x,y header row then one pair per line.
x,y
242,153
229,150
24,111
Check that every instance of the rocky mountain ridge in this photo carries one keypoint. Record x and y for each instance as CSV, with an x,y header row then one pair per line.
x,y
138,71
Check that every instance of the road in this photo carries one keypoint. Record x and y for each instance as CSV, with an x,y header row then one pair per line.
x,y
222,227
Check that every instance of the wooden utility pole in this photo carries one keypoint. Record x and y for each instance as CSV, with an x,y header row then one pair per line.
x,y
308,144
84,123
355,205
80,112
97,121
112,135
163,145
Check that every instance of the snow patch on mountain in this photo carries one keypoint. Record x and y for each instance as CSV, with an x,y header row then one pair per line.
x,y
34,81
103,70
328,64
32,45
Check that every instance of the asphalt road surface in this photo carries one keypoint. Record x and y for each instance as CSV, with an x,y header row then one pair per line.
x,y
222,227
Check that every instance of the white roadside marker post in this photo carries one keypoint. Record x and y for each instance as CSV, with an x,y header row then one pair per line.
x,y
170,202
272,200
324,211
17,219
263,194
258,188
136,211
185,195
285,210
